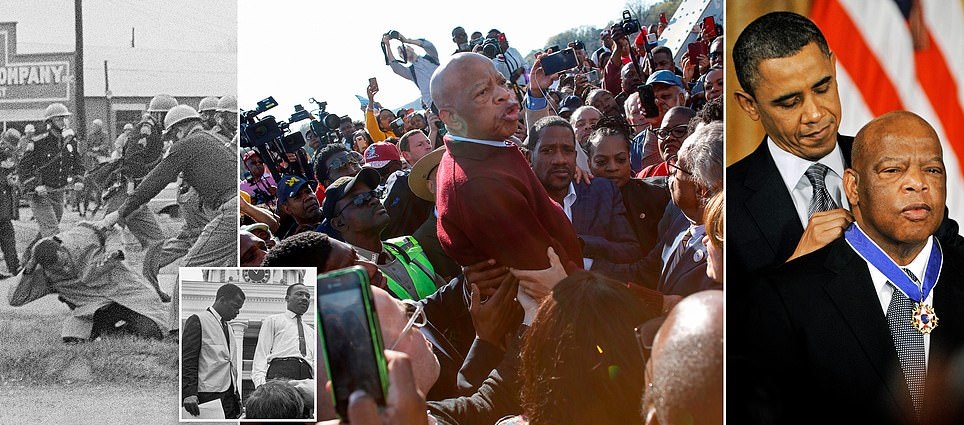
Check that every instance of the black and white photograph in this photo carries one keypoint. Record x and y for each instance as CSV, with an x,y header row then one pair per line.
x,y
117,147
248,345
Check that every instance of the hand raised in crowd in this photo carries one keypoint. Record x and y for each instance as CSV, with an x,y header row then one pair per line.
x,y
538,80
689,69
486,275
404,404
823,228
539,283
499,315
580,82
372,89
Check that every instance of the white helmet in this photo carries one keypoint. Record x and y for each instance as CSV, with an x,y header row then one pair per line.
x,y
178,114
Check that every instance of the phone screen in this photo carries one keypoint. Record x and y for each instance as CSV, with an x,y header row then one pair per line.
x,y
593,76
373,82
559,61
709,27
648,100
352,337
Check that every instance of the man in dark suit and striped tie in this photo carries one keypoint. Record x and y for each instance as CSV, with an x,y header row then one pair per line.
x,y
866,327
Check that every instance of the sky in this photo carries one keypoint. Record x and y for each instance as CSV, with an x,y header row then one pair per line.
x,y
295,50
48,25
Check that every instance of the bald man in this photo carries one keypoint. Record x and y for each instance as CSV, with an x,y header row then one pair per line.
x,y
685,370
850,328
490,203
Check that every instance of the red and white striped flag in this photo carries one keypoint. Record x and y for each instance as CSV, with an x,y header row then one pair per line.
x,y
902,54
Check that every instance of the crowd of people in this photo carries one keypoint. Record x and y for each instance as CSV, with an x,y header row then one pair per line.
x,y
557,229
76,261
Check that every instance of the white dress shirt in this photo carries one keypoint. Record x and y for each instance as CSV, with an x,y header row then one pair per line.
x,y
279,338
793,169
567,208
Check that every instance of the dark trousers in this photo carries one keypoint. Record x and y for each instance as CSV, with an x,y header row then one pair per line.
x,y
106,319
288,368
230,401
8,244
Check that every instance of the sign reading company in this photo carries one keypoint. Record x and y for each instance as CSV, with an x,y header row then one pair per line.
x,y
31,77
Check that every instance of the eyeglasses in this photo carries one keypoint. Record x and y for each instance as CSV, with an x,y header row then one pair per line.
x,y
673,168
359,200
678,132
351,157
715,55
416,317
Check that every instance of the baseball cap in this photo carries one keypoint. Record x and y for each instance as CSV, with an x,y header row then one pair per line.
x,y
290,185
256,226
380,154
664,77
337,190
569,103
249,154
418,178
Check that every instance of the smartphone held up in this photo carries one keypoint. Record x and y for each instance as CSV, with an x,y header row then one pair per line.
x,y
351,337
562,60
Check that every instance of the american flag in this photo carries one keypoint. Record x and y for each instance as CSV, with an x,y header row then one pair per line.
x,y
902,54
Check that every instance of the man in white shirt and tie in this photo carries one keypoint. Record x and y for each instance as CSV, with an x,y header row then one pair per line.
x,y
286,344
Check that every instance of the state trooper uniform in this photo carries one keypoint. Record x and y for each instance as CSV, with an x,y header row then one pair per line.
x,y
45,168
139,155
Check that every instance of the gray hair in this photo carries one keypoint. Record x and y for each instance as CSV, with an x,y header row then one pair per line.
x,y
703,154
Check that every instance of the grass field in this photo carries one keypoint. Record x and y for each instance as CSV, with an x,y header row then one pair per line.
x,y
115,380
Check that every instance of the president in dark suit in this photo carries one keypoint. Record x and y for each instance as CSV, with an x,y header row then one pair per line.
x,y
843,335
789,85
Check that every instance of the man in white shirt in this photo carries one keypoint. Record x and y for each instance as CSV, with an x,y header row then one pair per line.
x,y
286,344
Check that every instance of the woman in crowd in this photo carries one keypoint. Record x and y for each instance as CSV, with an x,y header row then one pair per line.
x,y
582,342
645,199
713,240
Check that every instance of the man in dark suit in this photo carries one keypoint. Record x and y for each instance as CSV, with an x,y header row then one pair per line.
x,y
786,198
830,332
596,209
209,355
789,85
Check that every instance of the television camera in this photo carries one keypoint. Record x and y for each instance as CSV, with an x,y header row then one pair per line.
x,y
281,149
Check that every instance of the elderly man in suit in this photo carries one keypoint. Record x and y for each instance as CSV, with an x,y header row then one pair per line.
x,y
862,326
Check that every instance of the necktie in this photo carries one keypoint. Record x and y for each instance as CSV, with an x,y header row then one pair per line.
x,y
821,200
682,244
227,335
909,343
301,335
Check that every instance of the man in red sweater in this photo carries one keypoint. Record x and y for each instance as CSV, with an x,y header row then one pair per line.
x,y
490,203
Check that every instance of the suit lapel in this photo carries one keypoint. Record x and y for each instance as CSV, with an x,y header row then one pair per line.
x,y
770,205
852,292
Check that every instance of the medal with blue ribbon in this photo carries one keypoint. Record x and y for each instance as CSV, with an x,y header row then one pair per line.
x,y
923,317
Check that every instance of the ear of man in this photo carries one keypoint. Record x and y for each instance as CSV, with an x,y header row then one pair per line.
x,y
850,182
748,103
